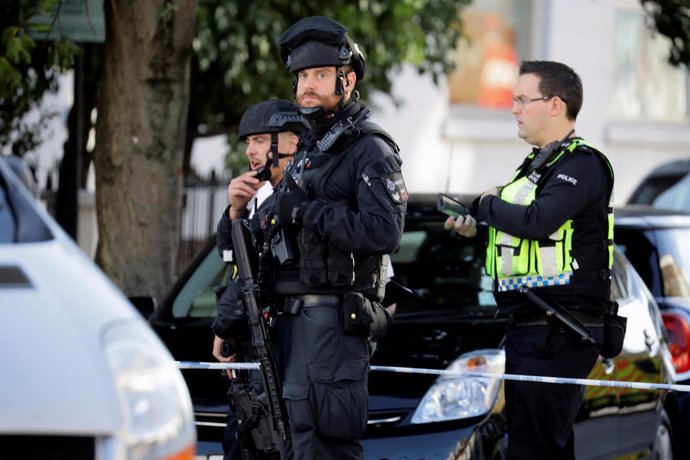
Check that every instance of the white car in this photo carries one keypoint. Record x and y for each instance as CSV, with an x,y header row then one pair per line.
x,y
82,375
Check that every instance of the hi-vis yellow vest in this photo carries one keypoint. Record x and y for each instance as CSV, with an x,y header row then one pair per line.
x,y
514,262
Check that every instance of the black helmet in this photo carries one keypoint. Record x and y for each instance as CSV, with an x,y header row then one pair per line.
x,y
318,41
272,116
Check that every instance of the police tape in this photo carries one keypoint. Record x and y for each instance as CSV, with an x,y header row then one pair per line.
x,y
234,366
482,375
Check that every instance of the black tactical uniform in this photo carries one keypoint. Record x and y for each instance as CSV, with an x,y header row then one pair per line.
x,y
272,116
342,208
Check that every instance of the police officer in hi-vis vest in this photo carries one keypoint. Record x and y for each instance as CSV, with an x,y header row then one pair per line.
x,y
550,231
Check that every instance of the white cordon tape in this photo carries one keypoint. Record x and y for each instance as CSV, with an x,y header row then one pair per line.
x,y
484,375
235,366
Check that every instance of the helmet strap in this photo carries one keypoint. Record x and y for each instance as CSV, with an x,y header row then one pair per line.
x,y
339,90
273,161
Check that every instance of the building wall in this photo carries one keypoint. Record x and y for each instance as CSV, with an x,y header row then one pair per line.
x,y
467,149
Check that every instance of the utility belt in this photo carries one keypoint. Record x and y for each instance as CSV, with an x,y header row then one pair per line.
x,y
293,304
361,316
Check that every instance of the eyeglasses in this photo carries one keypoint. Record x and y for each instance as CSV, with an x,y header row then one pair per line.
x,y
521,101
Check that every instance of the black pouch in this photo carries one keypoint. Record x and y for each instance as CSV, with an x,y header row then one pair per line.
x,y
614,334
364,317
357,314
341,267
313,270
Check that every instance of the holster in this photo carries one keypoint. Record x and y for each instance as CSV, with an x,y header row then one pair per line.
x,y
253,416
614,333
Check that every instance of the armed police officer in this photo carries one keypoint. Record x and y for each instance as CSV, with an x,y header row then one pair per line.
x,y
550,235
343,206
270,130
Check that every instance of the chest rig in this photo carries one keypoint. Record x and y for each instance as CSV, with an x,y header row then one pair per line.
x,y
322,266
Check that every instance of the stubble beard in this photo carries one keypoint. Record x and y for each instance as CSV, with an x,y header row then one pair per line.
x,y
329,103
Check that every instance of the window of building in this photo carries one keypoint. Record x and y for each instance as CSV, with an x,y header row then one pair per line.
x,y
645,85
487,58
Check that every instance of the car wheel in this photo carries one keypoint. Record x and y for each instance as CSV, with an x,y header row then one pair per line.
x,y
663,444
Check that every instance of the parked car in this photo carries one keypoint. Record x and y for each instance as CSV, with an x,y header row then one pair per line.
x,y
82,375
657,243
667,186
450,322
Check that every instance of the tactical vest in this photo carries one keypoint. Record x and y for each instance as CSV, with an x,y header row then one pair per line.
x,y
514,262
322,266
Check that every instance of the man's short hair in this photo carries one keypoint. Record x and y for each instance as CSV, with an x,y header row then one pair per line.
x,y
557,79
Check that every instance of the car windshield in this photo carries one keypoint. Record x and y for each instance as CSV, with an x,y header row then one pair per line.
x,y
668,192
665,268
444,271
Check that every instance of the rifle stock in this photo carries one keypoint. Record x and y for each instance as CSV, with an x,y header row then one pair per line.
x,y
246,259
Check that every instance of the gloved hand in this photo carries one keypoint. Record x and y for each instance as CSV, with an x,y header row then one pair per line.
x,y
290,207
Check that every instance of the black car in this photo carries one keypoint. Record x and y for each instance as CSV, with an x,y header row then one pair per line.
x,y
450,322
657,243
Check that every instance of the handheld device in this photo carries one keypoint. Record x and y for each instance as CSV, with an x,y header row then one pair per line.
x,y
264,173
450,206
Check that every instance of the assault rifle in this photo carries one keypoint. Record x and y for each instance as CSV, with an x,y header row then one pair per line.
x,y
246,259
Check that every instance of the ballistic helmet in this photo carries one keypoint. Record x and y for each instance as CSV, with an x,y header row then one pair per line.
x,y
318,41
272,116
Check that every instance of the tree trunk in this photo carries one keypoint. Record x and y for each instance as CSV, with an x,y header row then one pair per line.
x,y
140,133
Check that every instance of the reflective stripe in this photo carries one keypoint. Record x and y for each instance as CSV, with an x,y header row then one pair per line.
x,y
524,194
506,259
514,283
548,261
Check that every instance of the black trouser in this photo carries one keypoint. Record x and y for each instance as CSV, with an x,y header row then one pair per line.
x,y
325,386
541,415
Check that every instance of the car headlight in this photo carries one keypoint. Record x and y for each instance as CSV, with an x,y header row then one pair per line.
x,y
159,420
455,397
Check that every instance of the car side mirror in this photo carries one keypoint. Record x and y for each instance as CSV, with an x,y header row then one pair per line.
x,y
144,304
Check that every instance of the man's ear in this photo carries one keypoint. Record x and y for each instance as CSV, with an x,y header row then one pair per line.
x,y
294,140
557,106
350,79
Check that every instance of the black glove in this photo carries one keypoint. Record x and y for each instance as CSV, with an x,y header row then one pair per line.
x,y
290,207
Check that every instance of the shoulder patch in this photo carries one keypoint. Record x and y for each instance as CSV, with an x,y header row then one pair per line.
x,y
395,186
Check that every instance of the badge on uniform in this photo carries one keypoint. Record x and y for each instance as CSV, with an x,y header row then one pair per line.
x,y
395,185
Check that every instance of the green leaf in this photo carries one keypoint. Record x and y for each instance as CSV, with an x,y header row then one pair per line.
x,y
14,47
9,33
40,27
10,78
28,43
46,6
